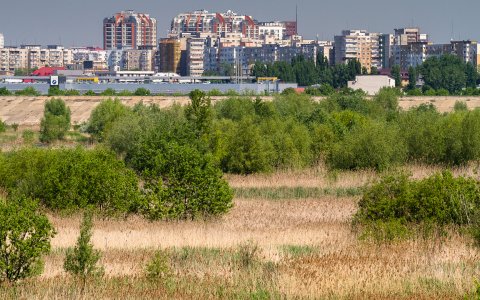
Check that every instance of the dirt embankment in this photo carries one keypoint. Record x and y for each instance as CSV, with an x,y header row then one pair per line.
x,y
28,111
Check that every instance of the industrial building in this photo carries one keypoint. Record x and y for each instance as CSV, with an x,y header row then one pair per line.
x,y
131,30
371,84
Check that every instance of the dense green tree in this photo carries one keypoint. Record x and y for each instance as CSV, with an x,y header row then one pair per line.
x,y
104,115
395,72
55,122
183,184
24,237
412,78
447,72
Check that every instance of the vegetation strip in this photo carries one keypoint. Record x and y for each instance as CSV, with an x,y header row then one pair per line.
x,y
278,193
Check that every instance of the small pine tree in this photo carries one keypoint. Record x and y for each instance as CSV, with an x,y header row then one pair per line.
x,y
81,261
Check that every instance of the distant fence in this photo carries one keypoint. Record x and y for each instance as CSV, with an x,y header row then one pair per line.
x,y
158,88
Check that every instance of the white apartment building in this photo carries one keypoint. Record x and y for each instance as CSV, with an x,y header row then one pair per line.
x,y
2,41
274,30
195,56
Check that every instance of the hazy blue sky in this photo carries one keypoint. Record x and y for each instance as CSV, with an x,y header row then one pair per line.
x,y
79,22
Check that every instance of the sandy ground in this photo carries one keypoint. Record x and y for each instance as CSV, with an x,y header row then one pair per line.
x,y
28,111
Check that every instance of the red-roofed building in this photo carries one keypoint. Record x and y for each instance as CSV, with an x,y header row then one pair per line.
x,y
46,71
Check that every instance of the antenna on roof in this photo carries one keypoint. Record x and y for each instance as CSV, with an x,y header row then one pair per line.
x,y
296,19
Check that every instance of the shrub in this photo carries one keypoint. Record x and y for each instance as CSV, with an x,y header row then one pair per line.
x,y
440,199
289,91
125,93
215,92
159,268
142,92
3,126
185,185
68,179
460,106
104,115
5,92
247,254
28,136
246,150
108,92
55,122
14,127
28,91
90,93
81,261
373,145
55,91
71,93
24,237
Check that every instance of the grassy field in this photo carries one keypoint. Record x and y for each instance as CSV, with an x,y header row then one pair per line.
x,y
289,236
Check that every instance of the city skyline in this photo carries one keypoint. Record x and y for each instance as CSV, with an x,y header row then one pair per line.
x,y
51,21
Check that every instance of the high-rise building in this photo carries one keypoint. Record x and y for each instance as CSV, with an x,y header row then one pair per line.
x,y
2,41
129,30
386,42
171,53
360,45
195,50
214,24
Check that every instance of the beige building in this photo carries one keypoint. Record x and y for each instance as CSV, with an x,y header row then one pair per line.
x,y
138,60
172,55
34,57
360,45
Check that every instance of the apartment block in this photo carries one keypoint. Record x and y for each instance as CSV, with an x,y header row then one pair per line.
x,y
128,29
360,45
138,60
2,41
172,55
414,54
214,24
195,56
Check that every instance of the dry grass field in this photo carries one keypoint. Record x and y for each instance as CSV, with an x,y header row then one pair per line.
x,y
28,111
266,247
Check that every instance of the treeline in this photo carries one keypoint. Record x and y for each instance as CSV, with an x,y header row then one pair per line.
x,y
168,163
245,135
442,76
307,72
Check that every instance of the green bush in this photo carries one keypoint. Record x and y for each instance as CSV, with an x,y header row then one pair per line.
x,y
3,126
55,122
108,92
28,136
24,237
67,179
71,93
247,151
5,92
104,115
440,199
125,93
370,146
185,185
28,91
81,261
142,92
55,91
90,93
460,106
159,269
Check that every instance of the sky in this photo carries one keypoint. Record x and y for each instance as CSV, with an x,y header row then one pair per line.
x,y
79,22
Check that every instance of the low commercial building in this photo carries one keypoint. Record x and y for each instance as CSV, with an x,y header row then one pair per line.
x,y
371,84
